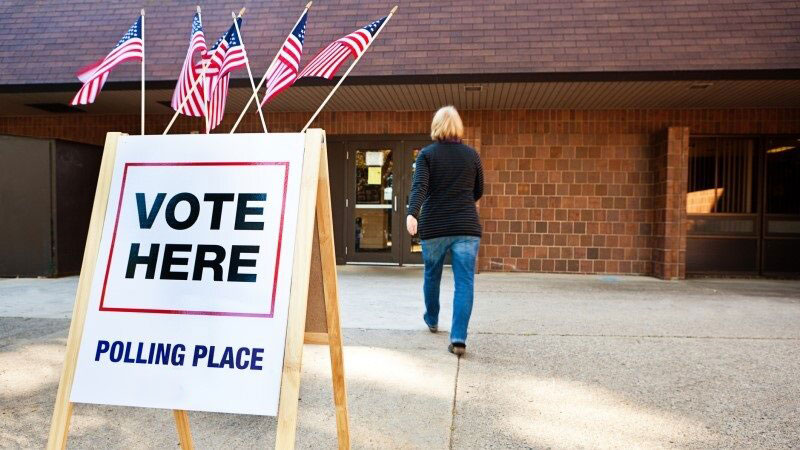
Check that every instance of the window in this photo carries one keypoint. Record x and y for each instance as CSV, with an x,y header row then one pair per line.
x,y
783,179
721,173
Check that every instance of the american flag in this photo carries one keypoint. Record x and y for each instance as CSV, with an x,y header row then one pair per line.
x,y
329,59
93,76
189,74
225,56
283,73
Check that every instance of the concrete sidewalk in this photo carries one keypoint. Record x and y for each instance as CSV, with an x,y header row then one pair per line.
x,y
554,361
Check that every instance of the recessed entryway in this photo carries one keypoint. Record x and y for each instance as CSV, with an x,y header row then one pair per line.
x,y
376,175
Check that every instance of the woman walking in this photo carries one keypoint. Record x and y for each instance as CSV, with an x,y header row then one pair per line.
x,y
448,180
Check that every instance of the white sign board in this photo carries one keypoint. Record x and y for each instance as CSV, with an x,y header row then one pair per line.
x,y
375,158
190,294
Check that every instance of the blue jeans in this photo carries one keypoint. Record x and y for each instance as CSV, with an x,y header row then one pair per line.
x,y
463,252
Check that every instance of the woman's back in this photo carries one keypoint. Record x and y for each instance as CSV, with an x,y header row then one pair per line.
x,y
447,181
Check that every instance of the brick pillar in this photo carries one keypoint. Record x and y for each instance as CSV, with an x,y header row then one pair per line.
x,y
670,167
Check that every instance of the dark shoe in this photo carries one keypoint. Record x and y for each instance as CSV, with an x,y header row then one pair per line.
x,y
432,328
457,348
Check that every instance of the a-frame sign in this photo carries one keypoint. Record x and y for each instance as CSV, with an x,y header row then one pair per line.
x,y
209,262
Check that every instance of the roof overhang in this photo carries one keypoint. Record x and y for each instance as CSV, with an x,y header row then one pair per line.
x,y
624,90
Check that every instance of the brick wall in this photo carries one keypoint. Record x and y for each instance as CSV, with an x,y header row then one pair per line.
x,y
566,190
574,191
562,197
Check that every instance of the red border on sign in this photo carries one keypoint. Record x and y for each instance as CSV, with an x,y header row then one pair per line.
x,y
195,312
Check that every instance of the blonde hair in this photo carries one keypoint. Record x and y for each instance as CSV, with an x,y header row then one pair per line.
x,y
446,125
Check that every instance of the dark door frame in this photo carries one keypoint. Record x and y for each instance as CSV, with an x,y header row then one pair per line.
x,y
401,144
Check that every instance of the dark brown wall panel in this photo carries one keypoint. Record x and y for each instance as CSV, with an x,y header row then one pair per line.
x,y
77,166
25,207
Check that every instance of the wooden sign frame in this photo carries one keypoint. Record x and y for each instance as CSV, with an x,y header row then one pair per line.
x,y
313,301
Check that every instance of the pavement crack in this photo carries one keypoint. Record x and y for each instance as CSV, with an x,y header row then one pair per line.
x,y
453,407
600,335
648,336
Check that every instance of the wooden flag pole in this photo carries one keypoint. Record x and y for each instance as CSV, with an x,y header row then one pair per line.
x,y
203,80
142,71
391,13
264,78
249,73
191,91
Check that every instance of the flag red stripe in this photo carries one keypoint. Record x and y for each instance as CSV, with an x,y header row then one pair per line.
x,y
133,49
328,61
187,78
94,83
284,72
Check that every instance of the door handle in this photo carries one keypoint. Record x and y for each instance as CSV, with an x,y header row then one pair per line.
x,y
395,203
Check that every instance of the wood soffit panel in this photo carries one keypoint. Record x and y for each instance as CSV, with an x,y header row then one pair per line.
x,y
476,96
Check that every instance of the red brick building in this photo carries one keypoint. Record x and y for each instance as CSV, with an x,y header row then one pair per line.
x,y
653,138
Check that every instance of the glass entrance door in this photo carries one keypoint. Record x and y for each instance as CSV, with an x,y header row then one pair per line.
x,y
781,220
375,228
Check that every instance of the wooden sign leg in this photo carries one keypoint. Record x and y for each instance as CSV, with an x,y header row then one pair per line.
x,y
184,432
62,411
298,298
58,437
331,291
